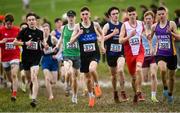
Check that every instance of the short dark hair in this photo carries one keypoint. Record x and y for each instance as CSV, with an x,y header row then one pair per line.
x,y
85,8
161,8
24,23
9,17
57,19
131,9
31,14
111,9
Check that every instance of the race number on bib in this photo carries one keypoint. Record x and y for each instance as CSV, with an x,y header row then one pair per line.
x,y
135,44
89,47
48,51
9,46
116,47
164,44
33,46
147,52
72,46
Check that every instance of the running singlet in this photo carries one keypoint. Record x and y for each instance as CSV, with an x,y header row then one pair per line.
x,y
165,41
8,50
146,44
57,34
134,43
88,41
114,48
36,38
69,49
49,51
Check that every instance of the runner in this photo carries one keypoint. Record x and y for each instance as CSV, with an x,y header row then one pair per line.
x,y
57,33
166,53
71,55
115,52
86,33
49,65
130,35
149,65
10,53
30,39
22,73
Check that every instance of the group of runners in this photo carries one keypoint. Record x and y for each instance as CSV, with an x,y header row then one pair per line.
x,y
144,46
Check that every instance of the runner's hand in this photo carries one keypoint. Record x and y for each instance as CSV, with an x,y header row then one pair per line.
x,y
133,33
46,46
4,40
115,31
80,32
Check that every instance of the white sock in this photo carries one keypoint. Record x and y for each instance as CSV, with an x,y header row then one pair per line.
x,y
91,94
153,94
74,95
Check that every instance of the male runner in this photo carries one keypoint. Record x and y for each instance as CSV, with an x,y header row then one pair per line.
x,y
86,33
31,39
166,52
10,53
49,64
71,55
115,52
130,35
149,64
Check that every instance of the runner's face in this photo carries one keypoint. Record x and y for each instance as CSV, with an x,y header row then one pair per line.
x,y
31,21
71,19
161,14
46,30
58,24
85,15
132,15
148,20
114,15
8,25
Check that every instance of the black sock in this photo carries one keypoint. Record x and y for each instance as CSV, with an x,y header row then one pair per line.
x,y
170,94
165,88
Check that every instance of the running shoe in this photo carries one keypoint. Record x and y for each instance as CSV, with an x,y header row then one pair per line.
x,y
91,101
33,103
74,99
170,99
116,97
123,96
154,99
13,96
98,91
141,96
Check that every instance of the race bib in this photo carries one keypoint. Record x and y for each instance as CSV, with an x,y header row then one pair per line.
x,y
33,46
72,46
89,47
164,44
48,51
135,44
116,47
147,52
9,46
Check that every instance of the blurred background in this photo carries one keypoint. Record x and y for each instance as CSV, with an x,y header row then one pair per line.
x,y
51,9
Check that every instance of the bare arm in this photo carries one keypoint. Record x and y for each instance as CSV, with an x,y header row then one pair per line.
x,y
18,43
76,33
105,29
174,30
122,37
101,35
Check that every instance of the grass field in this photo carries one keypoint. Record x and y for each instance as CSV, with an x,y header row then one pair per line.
x,y
55,8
